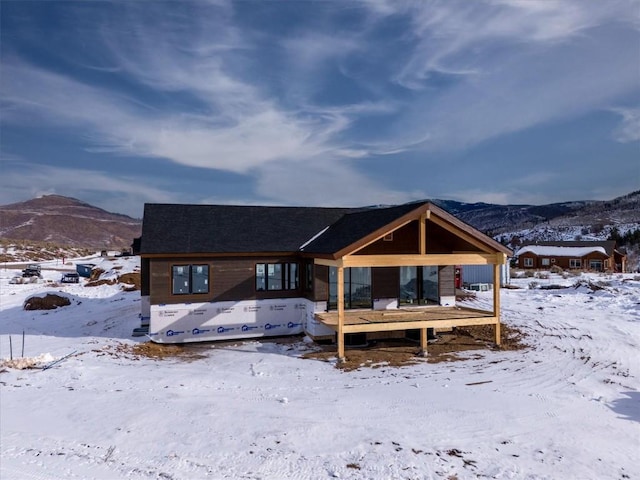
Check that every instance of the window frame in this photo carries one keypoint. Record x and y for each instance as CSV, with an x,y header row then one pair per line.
x,y
527,262
188,279
575,263
287,277
596,265
421,295
352,301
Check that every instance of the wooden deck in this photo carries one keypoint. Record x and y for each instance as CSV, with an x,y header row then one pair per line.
x,y
359,321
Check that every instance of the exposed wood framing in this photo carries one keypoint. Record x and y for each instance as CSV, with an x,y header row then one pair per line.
x,y
327,263
423,342
410,260
496,299
391,325
340,314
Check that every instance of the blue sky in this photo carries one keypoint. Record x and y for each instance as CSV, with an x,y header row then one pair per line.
x,y
332,103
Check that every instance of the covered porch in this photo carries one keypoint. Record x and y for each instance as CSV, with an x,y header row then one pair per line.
x,y
427,237
365,321
344,321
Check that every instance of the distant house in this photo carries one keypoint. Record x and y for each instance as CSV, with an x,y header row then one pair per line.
x,y
597,256
214,272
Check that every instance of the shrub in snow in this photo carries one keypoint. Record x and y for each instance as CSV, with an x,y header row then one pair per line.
x,y
556,269
542,275
533,285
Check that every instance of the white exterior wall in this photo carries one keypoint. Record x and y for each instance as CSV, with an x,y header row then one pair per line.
x,y
197,322
312,326
145,306
385,303
449,301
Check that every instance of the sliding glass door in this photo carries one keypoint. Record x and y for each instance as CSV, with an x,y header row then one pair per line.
x,y
357,288
419,286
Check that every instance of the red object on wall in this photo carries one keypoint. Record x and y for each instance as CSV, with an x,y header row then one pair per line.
x,y
458,277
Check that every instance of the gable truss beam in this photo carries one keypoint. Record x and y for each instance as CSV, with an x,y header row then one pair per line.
x,y
417,260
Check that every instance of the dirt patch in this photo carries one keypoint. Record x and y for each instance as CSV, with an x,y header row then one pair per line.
x,y
97,283
48,302
132,281
402,352
150,350
95,274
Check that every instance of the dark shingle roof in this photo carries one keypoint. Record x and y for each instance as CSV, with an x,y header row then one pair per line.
x,y
356,225
172,228
230,229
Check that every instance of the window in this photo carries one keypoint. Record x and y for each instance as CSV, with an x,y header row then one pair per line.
x,y
545,262
388,237
419,285
189,279
528,262
575,263
357,288
595,265
277,276
606,264
308,279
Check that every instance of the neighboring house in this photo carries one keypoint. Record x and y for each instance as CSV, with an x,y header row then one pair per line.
x,y
212,272
597,256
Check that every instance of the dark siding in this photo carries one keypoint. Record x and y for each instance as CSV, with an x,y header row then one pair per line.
x,y
321,283
386,282
229,279
233,279
144,276
440,240
405,240
446,281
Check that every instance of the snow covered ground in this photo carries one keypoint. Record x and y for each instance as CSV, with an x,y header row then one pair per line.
x,y
566,408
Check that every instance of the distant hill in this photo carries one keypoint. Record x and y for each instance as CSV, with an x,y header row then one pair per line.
x,y
71,222
583,217
67,221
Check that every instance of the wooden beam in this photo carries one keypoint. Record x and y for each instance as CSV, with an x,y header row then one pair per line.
x,y
418,324
418,260
328,263
496,300
340,332
423,342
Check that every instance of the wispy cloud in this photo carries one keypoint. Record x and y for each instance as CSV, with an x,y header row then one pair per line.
x,y
507,66
333,183
306,109
629,129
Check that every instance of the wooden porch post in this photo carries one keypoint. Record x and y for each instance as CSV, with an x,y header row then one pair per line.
x,y
341,356
496,299
423,342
